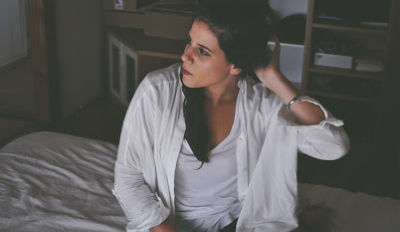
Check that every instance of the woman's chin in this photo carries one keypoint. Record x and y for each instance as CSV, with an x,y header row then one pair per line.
x,y
187,82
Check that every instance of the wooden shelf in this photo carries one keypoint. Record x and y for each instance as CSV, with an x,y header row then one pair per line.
x,y
136,40
347,73
342,97
381,32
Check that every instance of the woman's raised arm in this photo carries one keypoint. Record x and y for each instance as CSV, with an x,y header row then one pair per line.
x,y
306,113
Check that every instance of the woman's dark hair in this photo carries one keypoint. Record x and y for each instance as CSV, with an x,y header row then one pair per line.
x,y
243,30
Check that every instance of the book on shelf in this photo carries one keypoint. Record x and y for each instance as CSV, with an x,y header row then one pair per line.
x,y
369,67
368,64
380,25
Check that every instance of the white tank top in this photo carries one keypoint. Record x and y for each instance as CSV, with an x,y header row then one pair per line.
x,y
206,198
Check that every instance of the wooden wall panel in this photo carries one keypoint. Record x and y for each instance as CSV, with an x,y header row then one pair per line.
x,y
39,60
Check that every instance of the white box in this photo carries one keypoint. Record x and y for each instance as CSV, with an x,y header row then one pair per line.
x,y
291,61
330,60
285,8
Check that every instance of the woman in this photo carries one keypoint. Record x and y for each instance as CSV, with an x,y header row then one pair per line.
x,y
206,148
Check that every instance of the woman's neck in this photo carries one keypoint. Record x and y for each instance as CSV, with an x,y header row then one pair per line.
x,y
223,93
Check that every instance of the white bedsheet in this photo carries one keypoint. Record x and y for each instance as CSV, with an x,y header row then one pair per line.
x,y
56,182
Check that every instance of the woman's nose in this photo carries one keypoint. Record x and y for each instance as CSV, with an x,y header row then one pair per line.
x,y
187,56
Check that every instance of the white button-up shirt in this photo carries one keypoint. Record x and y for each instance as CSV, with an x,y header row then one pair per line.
x,y
267,147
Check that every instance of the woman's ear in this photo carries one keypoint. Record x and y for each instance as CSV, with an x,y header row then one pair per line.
x,y
234,70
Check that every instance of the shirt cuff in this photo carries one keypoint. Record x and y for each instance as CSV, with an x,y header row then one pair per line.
x,y
147,220
287,118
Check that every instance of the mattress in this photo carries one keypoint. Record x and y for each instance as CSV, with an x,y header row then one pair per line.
x,y
57,182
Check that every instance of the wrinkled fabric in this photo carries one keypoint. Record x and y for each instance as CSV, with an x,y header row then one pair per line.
x,y
53,182
267,147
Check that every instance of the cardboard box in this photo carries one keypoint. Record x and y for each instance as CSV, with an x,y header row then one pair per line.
x,y
331,60
126,5
124,19
167,25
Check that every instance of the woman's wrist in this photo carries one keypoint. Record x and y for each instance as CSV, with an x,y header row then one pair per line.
x,y
275,81
268,76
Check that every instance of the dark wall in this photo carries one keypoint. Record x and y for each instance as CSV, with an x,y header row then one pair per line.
x,y
79,57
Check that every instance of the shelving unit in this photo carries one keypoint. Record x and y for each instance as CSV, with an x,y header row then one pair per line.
x,y
347,73
350,29
347,87
343,97
131,55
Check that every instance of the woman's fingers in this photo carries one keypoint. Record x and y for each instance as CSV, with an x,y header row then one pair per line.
x,y
277,51
277,44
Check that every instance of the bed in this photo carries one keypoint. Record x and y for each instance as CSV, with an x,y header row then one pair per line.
x,y
57,182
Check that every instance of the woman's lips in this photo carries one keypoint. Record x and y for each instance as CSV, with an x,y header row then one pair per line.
x,y
185,72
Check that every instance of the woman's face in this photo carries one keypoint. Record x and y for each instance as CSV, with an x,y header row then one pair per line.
x,y
204,63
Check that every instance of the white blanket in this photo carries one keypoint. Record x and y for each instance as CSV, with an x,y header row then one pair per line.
x,y
54,182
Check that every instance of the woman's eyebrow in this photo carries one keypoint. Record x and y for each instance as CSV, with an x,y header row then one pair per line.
x,y
201,45
206,48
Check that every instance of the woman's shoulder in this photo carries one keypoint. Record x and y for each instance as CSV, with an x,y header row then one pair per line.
x,y
158,87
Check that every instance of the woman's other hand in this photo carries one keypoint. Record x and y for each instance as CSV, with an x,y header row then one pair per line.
x,y
164,227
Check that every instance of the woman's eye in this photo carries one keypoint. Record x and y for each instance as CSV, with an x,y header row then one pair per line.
x,y
203,52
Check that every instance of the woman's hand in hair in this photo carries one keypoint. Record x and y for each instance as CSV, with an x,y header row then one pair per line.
x,y
271,76
271,73
276,55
